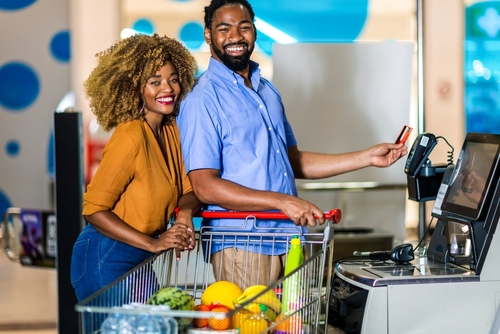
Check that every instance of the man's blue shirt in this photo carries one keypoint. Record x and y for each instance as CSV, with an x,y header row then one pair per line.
x,y
244,133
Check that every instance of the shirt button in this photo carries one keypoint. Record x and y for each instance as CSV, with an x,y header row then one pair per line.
x,y
269,128
261,106
235,82
286,174
278,151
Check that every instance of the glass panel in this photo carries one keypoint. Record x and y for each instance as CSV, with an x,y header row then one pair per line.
x,y
482,67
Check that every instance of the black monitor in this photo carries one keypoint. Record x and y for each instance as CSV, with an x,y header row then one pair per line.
x,y
474,178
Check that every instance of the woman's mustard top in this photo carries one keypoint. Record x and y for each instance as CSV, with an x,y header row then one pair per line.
x,y
135,181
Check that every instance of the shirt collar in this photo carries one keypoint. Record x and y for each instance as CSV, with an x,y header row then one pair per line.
x,y
220,69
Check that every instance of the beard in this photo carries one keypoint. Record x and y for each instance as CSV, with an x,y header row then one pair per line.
x,y
235,64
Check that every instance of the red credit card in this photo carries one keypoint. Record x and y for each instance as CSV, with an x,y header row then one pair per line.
x,y
404,134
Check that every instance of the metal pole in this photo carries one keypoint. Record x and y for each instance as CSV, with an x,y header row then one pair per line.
x,y
420,67
420,101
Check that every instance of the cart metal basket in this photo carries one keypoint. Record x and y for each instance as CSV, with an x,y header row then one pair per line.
x,y
194,273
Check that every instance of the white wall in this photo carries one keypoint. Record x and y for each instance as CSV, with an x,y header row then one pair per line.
x,y
26,38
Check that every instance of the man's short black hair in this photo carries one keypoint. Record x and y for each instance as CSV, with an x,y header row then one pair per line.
x,y
216,4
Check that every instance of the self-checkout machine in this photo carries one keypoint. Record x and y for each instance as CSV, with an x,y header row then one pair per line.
x,y
456,288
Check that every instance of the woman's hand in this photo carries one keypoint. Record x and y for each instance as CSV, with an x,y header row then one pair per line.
x,y
176,237
188,204
185,217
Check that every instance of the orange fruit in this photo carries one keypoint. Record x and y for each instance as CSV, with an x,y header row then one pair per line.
x,y
292,324
201,322
216,323
221,292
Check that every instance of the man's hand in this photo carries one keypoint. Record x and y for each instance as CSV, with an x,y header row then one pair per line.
x,y
302,212
384,155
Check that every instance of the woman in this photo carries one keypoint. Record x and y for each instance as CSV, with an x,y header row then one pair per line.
x,y
135,88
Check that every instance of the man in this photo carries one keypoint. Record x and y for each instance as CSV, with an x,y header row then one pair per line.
x,y
239,148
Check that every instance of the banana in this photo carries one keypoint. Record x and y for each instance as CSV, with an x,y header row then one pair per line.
x,y
271,314
268,298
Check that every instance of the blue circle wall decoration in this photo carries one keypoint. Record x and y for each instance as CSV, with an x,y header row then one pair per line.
x,y
60,47
15,4
19,85
192,35
12,148
143,26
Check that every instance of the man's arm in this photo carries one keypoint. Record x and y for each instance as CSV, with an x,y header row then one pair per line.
x,y
310,165
209,187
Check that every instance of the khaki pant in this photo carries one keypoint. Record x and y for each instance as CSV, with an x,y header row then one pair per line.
x,y
247,268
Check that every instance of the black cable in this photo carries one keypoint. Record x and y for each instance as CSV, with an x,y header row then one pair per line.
x,y
356,258
425,233
345,259
450,153
365,260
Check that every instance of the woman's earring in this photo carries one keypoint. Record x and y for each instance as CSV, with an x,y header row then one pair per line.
x,y
142,109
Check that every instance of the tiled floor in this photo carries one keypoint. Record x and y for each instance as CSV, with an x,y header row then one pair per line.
x,y
28,298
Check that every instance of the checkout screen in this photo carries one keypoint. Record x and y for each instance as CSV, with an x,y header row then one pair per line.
x,y
470,176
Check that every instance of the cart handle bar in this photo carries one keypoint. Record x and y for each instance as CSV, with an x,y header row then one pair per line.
x,y
333,215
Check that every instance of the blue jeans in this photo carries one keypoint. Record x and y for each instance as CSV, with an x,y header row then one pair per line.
x,y
97,261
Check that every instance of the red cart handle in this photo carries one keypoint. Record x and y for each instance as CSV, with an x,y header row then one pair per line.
x,y
334,215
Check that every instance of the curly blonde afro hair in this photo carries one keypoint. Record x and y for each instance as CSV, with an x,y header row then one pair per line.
x,y
115,86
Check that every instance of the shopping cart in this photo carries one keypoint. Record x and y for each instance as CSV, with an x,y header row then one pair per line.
x,y
194,273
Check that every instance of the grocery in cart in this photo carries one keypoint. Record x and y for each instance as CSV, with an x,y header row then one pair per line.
x,y
169,295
